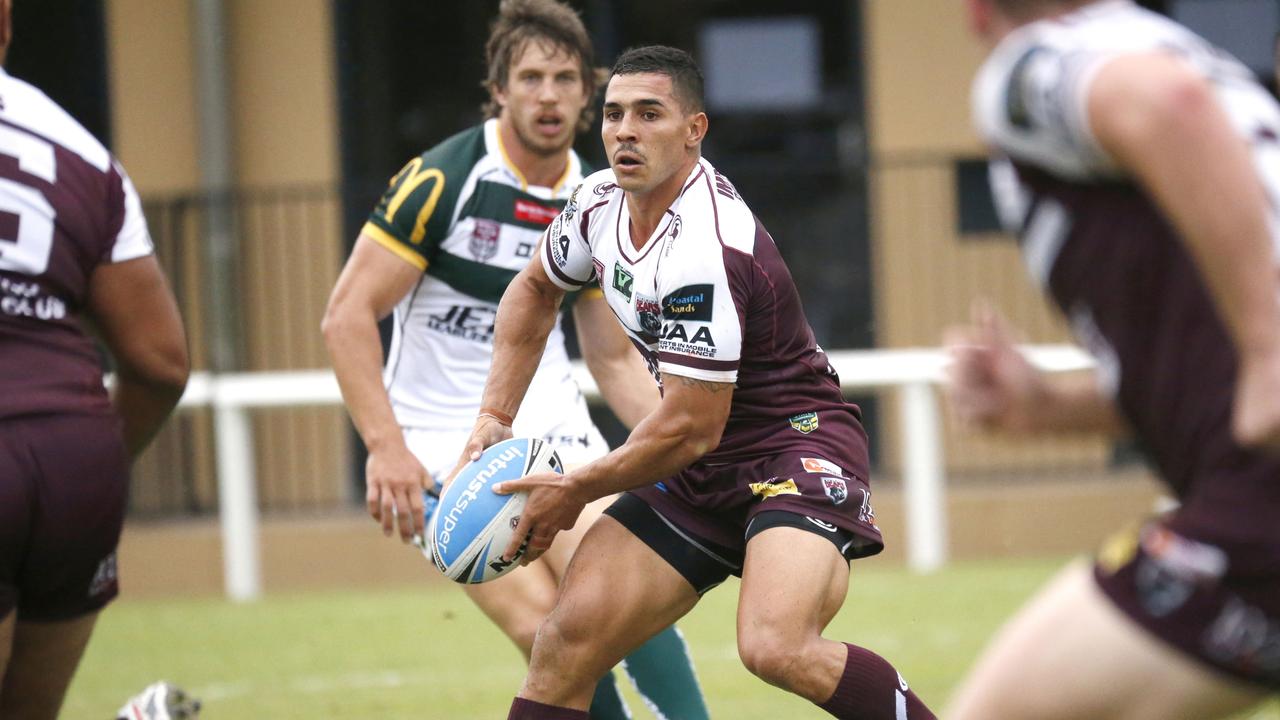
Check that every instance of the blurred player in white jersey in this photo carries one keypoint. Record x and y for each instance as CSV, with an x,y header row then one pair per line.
x,y
454,227
1140,167
74,247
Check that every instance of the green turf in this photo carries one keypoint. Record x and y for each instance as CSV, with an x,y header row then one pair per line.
x,y
407,654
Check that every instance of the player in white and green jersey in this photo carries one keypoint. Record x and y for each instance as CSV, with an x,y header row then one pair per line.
x,y
463,214
454,227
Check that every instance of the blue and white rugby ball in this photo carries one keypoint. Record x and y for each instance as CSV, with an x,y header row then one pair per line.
x,y
473,525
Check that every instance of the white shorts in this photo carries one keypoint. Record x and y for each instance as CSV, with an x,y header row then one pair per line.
x,y
574,437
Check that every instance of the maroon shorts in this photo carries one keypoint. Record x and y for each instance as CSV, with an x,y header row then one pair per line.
x,y
1216,600
63,487
716,506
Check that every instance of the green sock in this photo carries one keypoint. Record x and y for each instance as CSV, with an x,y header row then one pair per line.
x,y
662,672
606,703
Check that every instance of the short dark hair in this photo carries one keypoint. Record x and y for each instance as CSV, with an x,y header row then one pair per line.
x,y
521,22
686,78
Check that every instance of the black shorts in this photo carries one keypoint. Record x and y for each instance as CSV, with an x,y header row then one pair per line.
x,y
705,563
1215,600
63,488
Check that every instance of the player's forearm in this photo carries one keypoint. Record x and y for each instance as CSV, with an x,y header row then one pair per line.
x,y
143,407
662,445
526,315
355,351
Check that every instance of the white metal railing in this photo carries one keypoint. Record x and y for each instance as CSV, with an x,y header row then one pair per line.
x,y
914,372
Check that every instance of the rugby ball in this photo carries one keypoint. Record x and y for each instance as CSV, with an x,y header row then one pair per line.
x,y
472,525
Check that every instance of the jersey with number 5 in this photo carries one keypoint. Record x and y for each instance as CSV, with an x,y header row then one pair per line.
x,y
66,206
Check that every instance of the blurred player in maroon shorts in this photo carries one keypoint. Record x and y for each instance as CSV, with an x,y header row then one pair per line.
x,y
73,247
1140,167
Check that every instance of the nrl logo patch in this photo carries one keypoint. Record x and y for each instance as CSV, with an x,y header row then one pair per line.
x,y
622,280
484,239
774,487
805,422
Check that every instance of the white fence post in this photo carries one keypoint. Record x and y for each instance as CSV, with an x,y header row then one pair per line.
x,y
237,501
924,495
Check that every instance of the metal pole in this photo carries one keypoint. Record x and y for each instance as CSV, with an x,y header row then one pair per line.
x,y
216,179
924,495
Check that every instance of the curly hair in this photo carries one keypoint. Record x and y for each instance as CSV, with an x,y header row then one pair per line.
x,y
520,22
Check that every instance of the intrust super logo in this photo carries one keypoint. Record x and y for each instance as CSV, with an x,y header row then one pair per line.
x,y
450,520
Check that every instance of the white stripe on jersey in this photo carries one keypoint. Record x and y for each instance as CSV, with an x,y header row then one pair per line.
x,y
28,107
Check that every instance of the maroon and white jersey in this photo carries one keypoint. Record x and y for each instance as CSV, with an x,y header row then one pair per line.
x,y
1094,240
66,206
707,296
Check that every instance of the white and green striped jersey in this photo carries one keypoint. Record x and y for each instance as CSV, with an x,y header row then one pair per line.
x,y
464,214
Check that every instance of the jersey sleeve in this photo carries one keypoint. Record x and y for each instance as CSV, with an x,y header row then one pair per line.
x,y
1031,102
410,219
702,323
566,253
133,239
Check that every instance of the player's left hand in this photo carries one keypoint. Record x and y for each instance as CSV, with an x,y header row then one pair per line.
x,y
553,505
1256,416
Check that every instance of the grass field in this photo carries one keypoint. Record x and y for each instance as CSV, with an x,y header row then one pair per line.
x,y
409,653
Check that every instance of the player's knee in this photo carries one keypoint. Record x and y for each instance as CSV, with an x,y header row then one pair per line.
x,y
772,657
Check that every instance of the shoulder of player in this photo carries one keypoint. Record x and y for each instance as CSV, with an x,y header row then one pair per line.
x,y
713,211
29,108
456,155
595,192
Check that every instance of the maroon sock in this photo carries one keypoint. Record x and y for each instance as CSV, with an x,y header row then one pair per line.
x,y
870,689
522,709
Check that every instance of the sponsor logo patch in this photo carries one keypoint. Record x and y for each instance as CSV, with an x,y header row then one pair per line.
x,y
533,212
836,489
622,280
484,239
818,465
676,338
603,188
805,422
691,302
774,487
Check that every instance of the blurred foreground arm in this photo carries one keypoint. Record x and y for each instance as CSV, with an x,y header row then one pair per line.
x,y
137,317
1162,122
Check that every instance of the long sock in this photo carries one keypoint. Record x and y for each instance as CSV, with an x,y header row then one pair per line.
x,y
522,709
662,672
870,689
606,703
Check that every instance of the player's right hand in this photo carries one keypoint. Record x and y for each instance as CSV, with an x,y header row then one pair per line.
x,y
990,383
394,481
486,433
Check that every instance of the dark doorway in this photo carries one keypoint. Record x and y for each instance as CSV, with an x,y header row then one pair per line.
x,y
60,47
